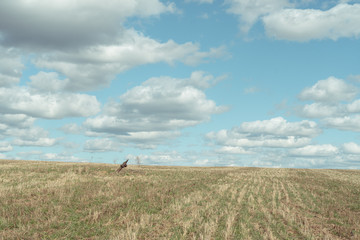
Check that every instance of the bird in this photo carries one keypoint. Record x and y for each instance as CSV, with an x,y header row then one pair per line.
x,y
123,165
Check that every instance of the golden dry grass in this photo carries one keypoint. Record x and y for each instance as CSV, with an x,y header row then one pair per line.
x,y
52,200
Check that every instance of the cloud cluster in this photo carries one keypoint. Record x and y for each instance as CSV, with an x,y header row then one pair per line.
x,y
66,24
329,90
82,46
157,109
306,24
101,145
96,66
278,142
21,100
249,11
19,130
273,133
11,67
291,20
334,104
86,41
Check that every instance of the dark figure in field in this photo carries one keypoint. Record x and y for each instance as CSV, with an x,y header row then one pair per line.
x,y
124,165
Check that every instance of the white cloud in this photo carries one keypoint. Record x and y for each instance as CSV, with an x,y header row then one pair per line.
x,y
324,150
148,139
250,11
72,128
321,110
347,123
353,107
307,24
48,82
32,136
233,150
282,21
101,145
16,120
280,127
40,142
156,107
201,1
5,147
96,66
332,104
351,148
202,80
18,129
11,67
85,41
273,133
60,157
329,90
64,24
47,105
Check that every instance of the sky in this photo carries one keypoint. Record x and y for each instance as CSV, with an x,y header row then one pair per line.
x,y
258,83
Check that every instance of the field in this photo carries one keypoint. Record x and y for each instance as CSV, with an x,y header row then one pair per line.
x,y
52,200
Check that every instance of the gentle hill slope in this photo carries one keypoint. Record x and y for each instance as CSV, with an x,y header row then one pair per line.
x,y
52,200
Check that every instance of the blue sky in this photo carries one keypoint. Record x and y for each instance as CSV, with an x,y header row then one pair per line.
x,y
264,83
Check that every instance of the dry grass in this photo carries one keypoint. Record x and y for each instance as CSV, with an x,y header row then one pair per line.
x,y
48,200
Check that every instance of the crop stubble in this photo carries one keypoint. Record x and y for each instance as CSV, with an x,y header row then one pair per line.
x,y
89,201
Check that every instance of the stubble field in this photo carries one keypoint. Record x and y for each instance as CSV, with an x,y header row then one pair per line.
x,y
52,200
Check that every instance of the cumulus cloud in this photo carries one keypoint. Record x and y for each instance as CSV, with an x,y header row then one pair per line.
x,y
201,1
233,150
273,133
5,147
321,110
16,120
306,24
249,11
63,24
28,136
351,148
101,145
48,82
334,104
329,90
96,66
86,41
353,107
148,139
40,142
11,67
281,127
60,157
324,150
346,123
159,105
21,100
18,129
295,21
72,128
329,110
